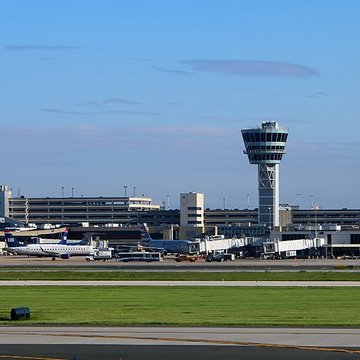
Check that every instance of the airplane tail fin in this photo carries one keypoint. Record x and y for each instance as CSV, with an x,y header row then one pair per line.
x,y
64,237
145,236
12,241
86,240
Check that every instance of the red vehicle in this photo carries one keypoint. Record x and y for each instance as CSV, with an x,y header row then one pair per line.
x,y
187,257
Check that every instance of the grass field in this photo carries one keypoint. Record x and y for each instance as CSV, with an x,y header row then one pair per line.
x,y
184,306
180,276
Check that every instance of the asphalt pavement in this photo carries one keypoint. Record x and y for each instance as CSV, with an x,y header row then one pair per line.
x,y
178,343
124,352
28,263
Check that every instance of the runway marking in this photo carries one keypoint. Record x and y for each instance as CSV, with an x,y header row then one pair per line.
x,y
28,357
207,341
180,283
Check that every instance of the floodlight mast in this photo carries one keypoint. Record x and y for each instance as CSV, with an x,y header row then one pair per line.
x,y
265,147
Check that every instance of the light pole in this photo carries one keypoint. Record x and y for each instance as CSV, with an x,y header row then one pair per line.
x,y
317,207
224,202
72,192
125,187
270,216
134,191
298,200
62,205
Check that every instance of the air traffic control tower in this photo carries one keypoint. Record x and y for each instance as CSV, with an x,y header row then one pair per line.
x,y
265,147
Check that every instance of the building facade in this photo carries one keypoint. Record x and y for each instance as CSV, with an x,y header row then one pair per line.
x,y
191,215
94,210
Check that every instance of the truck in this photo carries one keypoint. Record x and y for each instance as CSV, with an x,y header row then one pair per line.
x,y
100,254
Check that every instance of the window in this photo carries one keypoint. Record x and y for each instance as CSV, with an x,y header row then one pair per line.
x,y
355,239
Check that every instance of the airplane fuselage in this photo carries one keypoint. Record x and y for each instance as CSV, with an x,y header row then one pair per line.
x,y
52,250
173,246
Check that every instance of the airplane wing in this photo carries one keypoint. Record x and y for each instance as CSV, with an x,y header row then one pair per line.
x,y
55,253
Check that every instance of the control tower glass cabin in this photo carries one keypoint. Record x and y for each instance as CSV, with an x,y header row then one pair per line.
x,y
265,147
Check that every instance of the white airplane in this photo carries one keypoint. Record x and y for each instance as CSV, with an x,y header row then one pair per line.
x,y
61,250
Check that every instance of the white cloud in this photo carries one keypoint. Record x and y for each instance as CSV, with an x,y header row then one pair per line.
x,y
252,68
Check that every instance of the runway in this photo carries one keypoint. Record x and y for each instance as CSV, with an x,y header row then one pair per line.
x,y
179,343
310,337
180,283
24,263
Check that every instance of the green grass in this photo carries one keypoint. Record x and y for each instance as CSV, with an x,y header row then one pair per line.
x,y
180,276
184,306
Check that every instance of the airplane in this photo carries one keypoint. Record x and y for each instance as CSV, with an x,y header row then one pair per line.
x,y
61,249
167,246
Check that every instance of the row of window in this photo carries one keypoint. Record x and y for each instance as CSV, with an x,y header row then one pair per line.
x,y
59,202
264,136
263,157
252,148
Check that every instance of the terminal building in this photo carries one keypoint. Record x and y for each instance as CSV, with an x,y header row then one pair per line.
x,y
119,217
101,211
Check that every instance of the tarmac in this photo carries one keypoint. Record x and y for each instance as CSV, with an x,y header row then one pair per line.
x,y
29,263
178,343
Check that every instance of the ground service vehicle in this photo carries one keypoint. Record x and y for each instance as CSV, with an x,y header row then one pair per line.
x,y
191,258
100,254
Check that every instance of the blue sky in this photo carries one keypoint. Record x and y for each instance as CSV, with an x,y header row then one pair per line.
x,y
96,95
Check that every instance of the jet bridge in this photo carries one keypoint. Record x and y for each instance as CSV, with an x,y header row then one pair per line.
x,y
285,247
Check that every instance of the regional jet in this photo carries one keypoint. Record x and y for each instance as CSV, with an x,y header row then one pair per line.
x,y
60,250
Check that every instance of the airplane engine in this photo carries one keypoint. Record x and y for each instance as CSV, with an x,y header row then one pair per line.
x,y
64,256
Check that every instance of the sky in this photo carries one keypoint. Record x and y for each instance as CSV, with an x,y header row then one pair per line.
x,y
96,95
